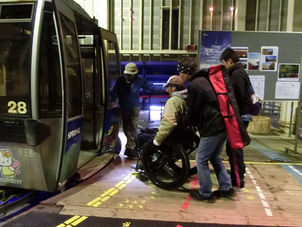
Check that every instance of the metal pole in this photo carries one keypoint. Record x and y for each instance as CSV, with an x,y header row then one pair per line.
x,y
190,23
211,20
121,26
291,119
170,25
280,16
150,25
179,23
268,14
257,15
130,25
141,38
221,15
201,16
161,26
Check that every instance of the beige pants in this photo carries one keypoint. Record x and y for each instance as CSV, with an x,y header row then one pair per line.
x,y
129,120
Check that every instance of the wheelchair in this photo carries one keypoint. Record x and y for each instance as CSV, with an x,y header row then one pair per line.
x,y
168,166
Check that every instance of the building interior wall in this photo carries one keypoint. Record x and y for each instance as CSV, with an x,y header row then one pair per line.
x,y
140,27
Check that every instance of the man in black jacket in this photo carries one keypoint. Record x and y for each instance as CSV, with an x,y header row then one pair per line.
x,y
204,112
243,90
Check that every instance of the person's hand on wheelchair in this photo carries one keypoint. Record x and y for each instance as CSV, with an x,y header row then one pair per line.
x,y
155,143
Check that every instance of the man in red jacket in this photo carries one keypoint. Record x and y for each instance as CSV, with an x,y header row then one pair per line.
x,y
243,90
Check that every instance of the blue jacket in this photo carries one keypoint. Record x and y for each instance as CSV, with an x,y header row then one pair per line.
x,y
128,93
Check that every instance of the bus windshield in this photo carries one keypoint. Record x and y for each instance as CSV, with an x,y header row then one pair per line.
x,y
15,62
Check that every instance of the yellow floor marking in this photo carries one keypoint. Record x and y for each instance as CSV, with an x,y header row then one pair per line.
x,y
122,186
93,201
107,192
275,163
126,224
105,198
271,163
267,163
126,177
72,219
114,192
97,204
118,184
61,225
79,220
128,181
251,197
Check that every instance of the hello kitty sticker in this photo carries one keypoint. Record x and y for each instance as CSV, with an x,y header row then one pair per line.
x,y
9,167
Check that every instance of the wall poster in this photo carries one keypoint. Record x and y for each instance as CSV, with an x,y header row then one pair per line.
x,y
253,60
242,53
212,45
288,72
269,58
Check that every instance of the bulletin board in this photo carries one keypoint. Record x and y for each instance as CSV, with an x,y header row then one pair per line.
x,y
272,59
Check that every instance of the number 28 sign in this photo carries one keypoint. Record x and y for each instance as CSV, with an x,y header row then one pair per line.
x,y
17,107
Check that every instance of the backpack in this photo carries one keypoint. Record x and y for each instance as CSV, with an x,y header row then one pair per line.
x,y
237,134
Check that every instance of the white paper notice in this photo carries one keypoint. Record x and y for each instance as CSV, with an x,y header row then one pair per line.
x,y
258,83
287,90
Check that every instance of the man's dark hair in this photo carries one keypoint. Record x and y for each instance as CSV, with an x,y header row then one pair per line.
x,y
187,65
229,53
188,61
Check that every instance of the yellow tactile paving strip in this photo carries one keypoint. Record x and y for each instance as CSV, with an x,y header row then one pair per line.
x,y
111,191
73,221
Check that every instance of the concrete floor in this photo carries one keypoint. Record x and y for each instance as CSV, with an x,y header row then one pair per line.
x,y
272,197
272,194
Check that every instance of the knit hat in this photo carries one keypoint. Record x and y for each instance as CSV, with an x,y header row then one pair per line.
x,y
174,80
131,68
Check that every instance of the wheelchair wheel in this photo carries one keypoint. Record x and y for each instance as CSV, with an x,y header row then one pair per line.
x,y
167,166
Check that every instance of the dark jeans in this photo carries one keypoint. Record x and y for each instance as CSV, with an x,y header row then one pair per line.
x,y
237,165
209,149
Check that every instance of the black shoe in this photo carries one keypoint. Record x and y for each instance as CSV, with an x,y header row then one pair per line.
x,y
196,196
226,194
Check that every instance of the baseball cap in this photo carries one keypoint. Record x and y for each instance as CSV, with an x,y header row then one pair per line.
x,y
130,68
174,80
